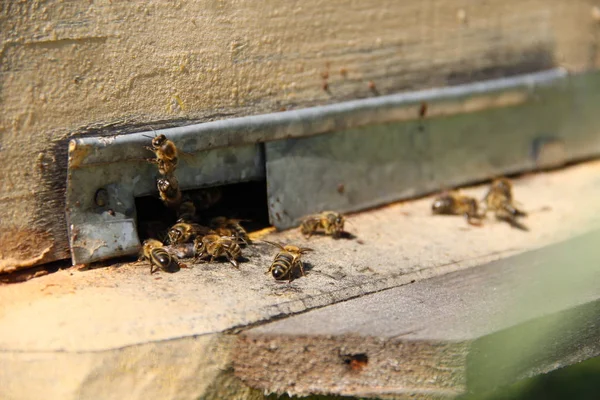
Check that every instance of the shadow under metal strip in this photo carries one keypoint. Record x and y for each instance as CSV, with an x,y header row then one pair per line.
x,y
367,147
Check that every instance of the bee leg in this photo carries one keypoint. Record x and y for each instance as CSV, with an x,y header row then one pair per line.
x,y
301,265
473,220
511,220
200,257
152,270
515,211
234,262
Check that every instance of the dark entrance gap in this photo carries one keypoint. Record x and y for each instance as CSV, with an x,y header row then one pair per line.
x,y
247,201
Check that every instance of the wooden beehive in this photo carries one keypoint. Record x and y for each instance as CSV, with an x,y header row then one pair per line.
x,y
71,69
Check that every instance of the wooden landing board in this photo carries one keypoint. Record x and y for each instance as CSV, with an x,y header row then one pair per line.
x,y
467,330
118,322
78,68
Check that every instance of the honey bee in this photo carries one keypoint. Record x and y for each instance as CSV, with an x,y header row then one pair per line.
x,y
215,246
230,227
186,211
454,203
184,232
330,222
182,250
168,189
166,153
206,198
499,199
286,261
158,256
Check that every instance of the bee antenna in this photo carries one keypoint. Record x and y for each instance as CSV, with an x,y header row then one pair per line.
x,y
149,137
273,243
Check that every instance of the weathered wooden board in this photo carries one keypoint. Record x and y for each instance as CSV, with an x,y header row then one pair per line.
x,y
123,324
469,330
75,68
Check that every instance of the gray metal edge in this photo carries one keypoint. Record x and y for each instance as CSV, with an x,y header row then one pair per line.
x,y
297,123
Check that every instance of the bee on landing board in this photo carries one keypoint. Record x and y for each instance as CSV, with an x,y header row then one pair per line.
x,y
499,200
230,227
454,203
215,246
184,232
329,222
286,261
159,257
168,189
166,154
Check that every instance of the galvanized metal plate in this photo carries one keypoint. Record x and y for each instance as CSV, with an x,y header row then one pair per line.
x,y
346,156
354,169
101,213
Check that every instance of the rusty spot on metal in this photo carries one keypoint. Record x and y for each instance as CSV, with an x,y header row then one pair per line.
x,y
77,153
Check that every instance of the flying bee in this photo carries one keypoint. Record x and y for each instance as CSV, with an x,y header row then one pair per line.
x,y
230,227
158,256
499,199
215,246
184,232
168,189
166,154
286,261
330,222
454,203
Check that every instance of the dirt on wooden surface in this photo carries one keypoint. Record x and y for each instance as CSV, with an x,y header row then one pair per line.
x,y
122,304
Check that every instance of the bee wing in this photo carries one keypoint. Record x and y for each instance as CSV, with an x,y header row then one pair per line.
x,y
311,217
185,155
201,229
273,244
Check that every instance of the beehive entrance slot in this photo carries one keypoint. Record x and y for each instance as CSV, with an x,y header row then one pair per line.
x,y
247,201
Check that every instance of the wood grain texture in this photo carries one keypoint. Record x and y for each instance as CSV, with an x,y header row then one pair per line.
x,y
152,335
468,330
76,68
